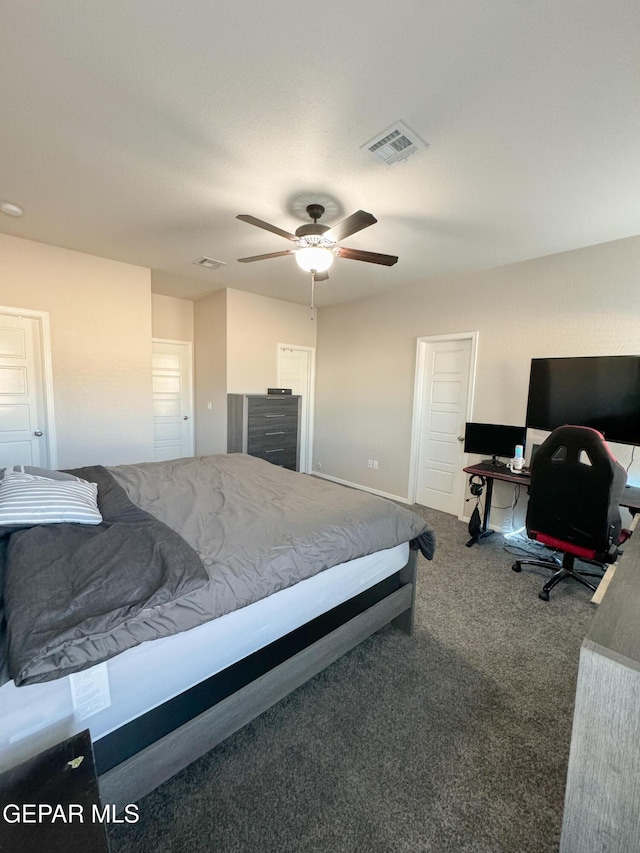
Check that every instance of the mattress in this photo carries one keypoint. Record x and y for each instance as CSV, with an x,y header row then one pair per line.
x,y
37,716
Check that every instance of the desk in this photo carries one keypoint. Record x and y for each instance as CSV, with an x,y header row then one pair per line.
x,y
630,497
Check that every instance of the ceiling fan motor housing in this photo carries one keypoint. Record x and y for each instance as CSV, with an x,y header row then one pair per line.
x,y
315,211
311,230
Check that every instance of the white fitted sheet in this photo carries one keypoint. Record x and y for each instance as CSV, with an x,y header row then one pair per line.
x,y
37,716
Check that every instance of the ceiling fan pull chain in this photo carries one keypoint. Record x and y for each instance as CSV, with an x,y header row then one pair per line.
x,y
313,287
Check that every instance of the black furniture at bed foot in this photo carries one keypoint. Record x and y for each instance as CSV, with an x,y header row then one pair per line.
x,y
51,802
566,570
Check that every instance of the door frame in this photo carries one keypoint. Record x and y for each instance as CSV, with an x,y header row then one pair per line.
x,y
420,407
306,458
192,417
46,367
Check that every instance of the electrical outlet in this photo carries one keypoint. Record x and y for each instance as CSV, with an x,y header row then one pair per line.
x,y
375,464
369,463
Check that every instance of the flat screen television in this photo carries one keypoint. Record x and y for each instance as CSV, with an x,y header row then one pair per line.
x,y
493,440
602,392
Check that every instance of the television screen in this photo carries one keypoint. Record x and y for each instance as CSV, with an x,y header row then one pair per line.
x,y
493,439
602,392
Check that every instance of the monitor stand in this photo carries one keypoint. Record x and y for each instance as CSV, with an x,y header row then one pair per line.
x,y
494,461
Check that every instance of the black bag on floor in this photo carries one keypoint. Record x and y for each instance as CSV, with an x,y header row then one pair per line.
x,y
475,524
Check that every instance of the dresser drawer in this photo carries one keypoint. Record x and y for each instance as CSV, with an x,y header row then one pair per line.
x,y
260,424
272,407
285,457
268,426
272,440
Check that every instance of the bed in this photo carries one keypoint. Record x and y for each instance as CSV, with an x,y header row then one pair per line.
x,y
260,578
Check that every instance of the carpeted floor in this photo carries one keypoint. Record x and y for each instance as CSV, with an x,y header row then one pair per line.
x,y
455,739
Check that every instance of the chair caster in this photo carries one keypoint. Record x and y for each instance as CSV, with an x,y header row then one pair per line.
x,y
543,595
516,566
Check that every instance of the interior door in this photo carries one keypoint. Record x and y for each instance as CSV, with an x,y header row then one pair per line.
x,y
447,371
23,439
295,371
172,399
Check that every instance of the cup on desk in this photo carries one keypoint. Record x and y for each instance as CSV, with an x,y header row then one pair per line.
x,y
516,464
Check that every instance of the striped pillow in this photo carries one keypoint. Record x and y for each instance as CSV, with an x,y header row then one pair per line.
x,y
27,500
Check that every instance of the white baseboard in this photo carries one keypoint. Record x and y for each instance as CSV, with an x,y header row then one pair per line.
x,y
360,487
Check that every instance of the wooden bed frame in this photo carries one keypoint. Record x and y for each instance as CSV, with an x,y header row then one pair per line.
x,y
140,756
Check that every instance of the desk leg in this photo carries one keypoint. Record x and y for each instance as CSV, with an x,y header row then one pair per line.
x,y
487,512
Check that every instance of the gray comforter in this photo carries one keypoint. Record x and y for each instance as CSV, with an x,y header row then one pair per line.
x,y
256,529
76,594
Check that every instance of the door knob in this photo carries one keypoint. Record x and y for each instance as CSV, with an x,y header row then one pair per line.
x,y
460,438
38,432
185,418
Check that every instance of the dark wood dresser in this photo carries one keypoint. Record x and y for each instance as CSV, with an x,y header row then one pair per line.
x,y
266,426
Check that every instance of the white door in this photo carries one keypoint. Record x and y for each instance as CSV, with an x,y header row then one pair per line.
x,y
445,400
172,399
296,367
23,422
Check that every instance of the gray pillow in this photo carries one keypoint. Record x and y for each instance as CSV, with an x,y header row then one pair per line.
x,y
29,499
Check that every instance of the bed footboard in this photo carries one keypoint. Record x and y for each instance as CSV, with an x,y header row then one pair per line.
x,y
130,780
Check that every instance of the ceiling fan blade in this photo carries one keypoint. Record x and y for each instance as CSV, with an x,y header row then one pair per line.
x,y
264,257
356,222
245,217
321,276
369,257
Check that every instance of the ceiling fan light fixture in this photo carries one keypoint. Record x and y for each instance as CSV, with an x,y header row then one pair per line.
x,y
314,258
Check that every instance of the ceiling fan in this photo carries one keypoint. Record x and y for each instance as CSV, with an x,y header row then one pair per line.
x,y
317,245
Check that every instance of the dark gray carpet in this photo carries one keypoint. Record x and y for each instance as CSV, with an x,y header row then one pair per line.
x,y
455,739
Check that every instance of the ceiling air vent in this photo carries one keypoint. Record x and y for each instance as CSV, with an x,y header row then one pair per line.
x,y
209,263
394,144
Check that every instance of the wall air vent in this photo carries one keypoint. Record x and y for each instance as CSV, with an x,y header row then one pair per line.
x,y
394,144
209,263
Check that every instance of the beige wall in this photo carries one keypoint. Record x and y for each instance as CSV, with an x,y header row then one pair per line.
x,y
255,327
100,321
210,373
585,302
236,337
172,319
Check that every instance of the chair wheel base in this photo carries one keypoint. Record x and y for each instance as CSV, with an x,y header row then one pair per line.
x,y
544,596
516,567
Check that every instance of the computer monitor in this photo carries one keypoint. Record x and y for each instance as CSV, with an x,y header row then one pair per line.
x,y
493,440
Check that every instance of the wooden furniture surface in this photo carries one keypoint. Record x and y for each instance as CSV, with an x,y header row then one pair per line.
x,y
602,802
63,776
266,426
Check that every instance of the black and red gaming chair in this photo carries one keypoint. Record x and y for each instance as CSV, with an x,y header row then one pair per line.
x,y
576,486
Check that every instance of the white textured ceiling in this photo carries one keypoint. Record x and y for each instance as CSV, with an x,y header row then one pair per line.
x,y
138,129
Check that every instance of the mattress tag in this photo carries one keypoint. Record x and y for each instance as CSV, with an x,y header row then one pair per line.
x,y
90,691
